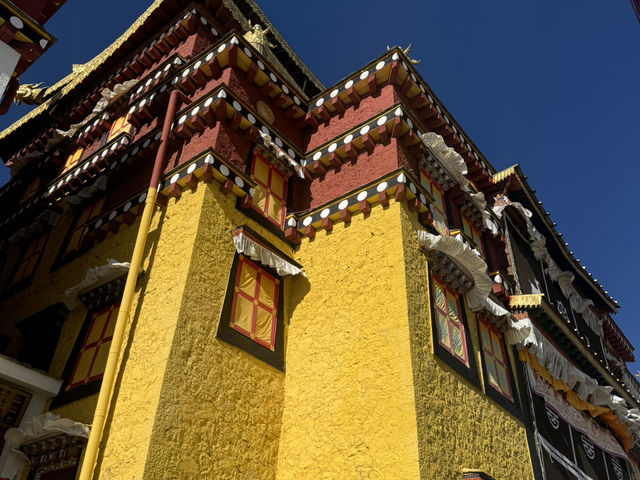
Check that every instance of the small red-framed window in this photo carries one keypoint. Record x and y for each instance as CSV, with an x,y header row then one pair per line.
x,y
448,322
121,125
72,160
254,310
439,215
270,194
29,260
495,359
473,233
92,358
77,233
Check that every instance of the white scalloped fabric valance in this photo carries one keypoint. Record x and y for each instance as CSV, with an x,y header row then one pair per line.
x,y
564,279
456,166
42,425
449,158
580,421
471,264
257,252
95,277
281,154
525,335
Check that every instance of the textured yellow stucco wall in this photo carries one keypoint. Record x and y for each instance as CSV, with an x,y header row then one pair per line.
x,y
349,409
189,405
459,426
152,325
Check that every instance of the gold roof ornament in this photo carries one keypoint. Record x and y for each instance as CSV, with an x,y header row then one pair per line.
x,y
406,52
31,94
258,38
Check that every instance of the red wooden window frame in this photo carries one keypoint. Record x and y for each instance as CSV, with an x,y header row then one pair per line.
x,y
121,125
95,347
263,281
440,224
495,359
72,160
29,260
271,189
473,233
448,320
89,212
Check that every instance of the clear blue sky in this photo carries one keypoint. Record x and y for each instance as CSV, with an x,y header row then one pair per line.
x,y
550,85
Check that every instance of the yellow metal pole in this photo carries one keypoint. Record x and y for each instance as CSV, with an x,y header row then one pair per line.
x,y
117,342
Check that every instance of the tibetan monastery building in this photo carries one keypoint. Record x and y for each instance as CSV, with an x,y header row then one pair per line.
x,y
215,267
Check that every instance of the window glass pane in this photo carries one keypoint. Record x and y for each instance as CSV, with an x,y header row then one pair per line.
x,y
83,365
492,375
497,348
97,326
260,198
274,210
101,359
247,279
457,340
243,314
443,331
267,291
277,183
453,308
439,296
440,223
486,343
502,379
425,181
438,198
264,325
261,171
112,322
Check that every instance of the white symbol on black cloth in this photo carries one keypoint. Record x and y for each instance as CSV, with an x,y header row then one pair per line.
x,y
553,418
617,467
588,447
562,310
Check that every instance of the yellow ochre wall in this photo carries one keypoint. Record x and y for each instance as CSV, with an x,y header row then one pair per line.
x,y
190,406
349,410
145,355
458,426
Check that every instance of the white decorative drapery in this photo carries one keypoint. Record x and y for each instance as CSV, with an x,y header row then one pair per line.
x,y
471,264
564,279
42,425
448,157
95,277
525,335
252,249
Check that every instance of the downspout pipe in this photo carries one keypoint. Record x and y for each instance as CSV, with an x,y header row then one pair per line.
x,y
118,340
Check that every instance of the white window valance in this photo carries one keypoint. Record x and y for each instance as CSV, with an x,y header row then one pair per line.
x,y
470,262
525,335
254,250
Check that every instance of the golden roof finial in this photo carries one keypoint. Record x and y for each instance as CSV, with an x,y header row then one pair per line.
x,y
406,52
31,94
258,38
